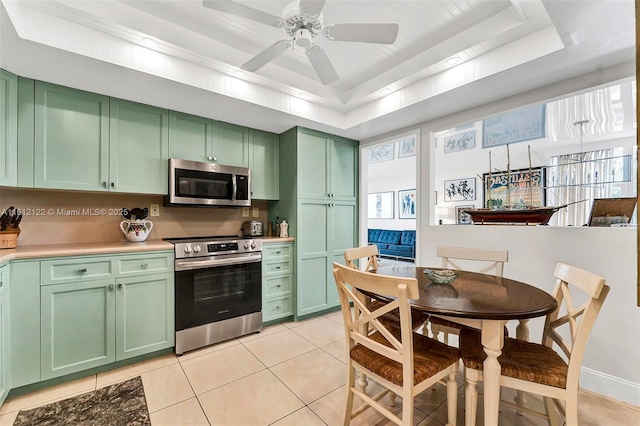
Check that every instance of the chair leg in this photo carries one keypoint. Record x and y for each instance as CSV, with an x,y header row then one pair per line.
x,y
552,412
471,398
362,382
407,406
452,399
571,409
348,409
392,399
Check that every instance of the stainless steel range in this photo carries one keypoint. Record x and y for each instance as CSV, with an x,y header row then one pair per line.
x,y
218,289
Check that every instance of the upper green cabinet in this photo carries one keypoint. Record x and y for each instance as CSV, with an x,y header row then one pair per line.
x,y
330,168
71,138
139,148
231,144
190,137
203,139
88,141
8,129
264,164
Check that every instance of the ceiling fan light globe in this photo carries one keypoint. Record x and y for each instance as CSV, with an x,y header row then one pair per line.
x,y
303,38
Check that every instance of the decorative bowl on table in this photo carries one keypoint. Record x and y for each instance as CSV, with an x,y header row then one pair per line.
x,y
441,276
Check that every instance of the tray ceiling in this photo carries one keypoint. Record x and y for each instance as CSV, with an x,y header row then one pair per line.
x,y
204,48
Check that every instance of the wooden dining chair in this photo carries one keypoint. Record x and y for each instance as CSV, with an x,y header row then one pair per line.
x,y
398,359
467,259
538,368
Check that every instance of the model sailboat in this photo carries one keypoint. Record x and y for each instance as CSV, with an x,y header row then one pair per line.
x,y
509,213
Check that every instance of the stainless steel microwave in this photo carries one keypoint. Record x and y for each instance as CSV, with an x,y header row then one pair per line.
x,y
193,183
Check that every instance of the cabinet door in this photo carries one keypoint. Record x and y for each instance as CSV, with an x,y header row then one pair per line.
x,y
71,138
230,144
78,327
5,340
190,137
313,164
343,230
313,257
144,315
344,169
139,148
264,165
8,129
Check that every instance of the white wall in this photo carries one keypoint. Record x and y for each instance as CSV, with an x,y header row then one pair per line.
x,y
395,175
611,366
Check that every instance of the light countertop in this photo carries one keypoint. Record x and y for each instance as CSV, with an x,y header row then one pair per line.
x,y
53,250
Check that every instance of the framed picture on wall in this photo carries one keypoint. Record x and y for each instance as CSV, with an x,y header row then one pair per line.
x,y
515,126
407,204
463,218
523,184
407,147
382,153
380,205
460,189
460,142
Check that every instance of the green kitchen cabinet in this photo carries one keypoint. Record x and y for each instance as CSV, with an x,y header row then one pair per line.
x,y
144,314
90,142
190,137
8,129
25,322
138,148
277,281
5,334
331,165
323,219
71,138
78,326
230,144
264,164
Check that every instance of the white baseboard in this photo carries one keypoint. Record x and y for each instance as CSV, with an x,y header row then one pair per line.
x,y
610,386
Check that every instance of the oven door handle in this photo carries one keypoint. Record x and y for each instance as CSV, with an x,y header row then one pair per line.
x,y
185,265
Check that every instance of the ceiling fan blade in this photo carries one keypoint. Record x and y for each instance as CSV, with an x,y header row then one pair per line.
x,y
312,7
266,56
243,11
384,33
321,63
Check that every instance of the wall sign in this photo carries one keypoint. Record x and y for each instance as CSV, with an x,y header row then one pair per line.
x,y
519,184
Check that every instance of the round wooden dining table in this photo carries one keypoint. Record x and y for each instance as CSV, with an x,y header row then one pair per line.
x,y
485,302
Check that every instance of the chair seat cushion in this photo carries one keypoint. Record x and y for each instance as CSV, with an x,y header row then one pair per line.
x,y
520,359
393,318
429,358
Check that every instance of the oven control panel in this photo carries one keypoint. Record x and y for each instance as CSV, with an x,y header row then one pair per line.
x,y
212,248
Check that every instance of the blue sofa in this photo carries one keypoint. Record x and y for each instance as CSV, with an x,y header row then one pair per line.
x,y
392,243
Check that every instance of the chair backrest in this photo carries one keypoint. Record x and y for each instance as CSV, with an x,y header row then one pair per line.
x,y
580,320
368,252
492,260
360,321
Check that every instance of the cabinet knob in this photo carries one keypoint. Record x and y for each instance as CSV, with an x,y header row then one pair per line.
x,y
113,185
278,285
278,252
1,283
144,265
104,184
278,308
110,287
83,270
212,158
119,286
277,267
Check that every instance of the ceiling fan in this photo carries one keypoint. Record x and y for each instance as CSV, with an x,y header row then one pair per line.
x,y
302,20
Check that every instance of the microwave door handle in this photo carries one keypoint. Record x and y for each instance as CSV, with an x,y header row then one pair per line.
x,y
235,187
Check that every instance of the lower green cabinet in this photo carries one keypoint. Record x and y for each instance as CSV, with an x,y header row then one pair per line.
x,y
5,338
277,281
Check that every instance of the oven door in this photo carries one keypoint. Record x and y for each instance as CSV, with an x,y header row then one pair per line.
x,y
206,294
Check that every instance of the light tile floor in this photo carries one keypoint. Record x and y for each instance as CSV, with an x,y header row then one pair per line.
x,y
291,374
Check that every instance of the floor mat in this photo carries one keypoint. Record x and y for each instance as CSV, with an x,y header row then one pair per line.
x,y
119,404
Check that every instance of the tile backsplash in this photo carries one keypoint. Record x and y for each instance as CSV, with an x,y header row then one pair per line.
x,y
61,217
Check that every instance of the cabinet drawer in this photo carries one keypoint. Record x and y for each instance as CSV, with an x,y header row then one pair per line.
x,y
277,285
70,270
278,267
270,251
149,263
277,308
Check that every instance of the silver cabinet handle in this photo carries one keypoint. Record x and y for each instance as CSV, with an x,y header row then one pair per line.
x,y
1,283
119,286
211,158
278,252
110,287
83,270
113,185
277,267
144,265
